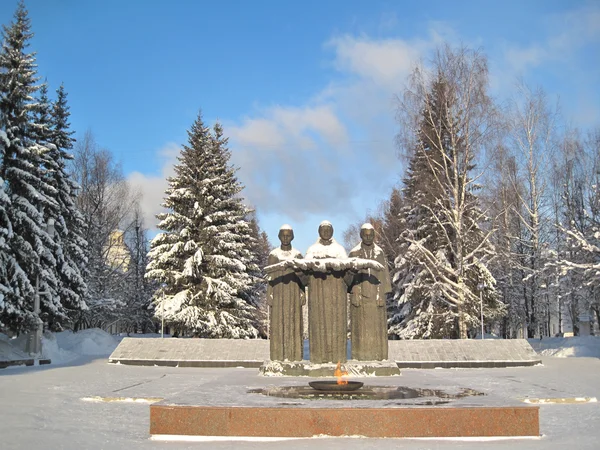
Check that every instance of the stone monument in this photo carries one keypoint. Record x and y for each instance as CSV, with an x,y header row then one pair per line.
x,y
326,271
327,307
368,289
285,297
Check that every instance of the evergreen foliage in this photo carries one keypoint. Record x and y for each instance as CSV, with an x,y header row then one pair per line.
x,y
202,258
259,249
25,170
442,248
70,227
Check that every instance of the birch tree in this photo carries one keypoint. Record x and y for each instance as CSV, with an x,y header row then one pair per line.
x,y
532,136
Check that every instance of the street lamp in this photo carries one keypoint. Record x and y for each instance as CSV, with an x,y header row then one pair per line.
x,y
480,288
34,343
162,314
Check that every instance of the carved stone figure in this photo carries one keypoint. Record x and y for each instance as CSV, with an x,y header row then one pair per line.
x,y
368,289
327,302
285,297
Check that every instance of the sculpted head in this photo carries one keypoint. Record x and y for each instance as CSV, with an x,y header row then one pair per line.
x,y
326,230
367,234
286,235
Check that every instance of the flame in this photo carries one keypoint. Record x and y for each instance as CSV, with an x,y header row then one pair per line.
x,y
339,373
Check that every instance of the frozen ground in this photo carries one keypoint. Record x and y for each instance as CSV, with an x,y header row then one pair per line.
x,y
42,406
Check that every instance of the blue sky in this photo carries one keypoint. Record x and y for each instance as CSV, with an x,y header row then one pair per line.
x,y
304,89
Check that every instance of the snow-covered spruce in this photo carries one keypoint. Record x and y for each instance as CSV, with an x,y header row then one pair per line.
x,y
25,168
52,132
442,249
203,256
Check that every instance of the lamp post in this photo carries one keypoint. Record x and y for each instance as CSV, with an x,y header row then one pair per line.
x,y
481,287
162,313
34,343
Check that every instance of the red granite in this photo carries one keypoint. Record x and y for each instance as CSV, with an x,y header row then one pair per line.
x,y
369,422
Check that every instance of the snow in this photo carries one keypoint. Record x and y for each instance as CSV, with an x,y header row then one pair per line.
x,y
61,348
90,404
50,407
326,265
566,347
326,249
9,352
286,254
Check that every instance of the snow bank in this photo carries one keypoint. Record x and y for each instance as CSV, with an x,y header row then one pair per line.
x,y
67,345
62,347
566,347
10,352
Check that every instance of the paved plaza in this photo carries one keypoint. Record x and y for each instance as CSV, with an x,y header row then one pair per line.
x,y
57,406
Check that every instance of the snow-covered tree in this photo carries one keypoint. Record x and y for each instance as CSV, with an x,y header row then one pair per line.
x,y
502,201
14,284
138,309
70,226
443,250
259,249
577,258
391,227
202,258
106,202
24,172
531,131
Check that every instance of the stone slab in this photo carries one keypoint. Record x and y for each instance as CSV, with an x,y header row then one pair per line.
x,y
450,353
370,422
191,352
253,353
306,369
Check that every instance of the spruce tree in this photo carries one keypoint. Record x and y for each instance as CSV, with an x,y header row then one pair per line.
x,y
14,284
442,247
202,258
420,310
70,233
24,173
260,249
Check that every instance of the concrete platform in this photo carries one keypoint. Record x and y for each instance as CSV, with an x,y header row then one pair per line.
x,y
419,354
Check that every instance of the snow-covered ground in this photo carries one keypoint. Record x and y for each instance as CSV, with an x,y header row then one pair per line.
x,y
565,347
42,406
66,347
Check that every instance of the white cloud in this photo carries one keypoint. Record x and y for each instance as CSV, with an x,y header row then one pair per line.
x,y
152,187
333,156
382,61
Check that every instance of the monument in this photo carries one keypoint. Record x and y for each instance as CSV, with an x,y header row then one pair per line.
x,y
285,297
327,307
328,273
368,289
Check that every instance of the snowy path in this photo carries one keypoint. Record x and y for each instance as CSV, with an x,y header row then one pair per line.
x,y
41,407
